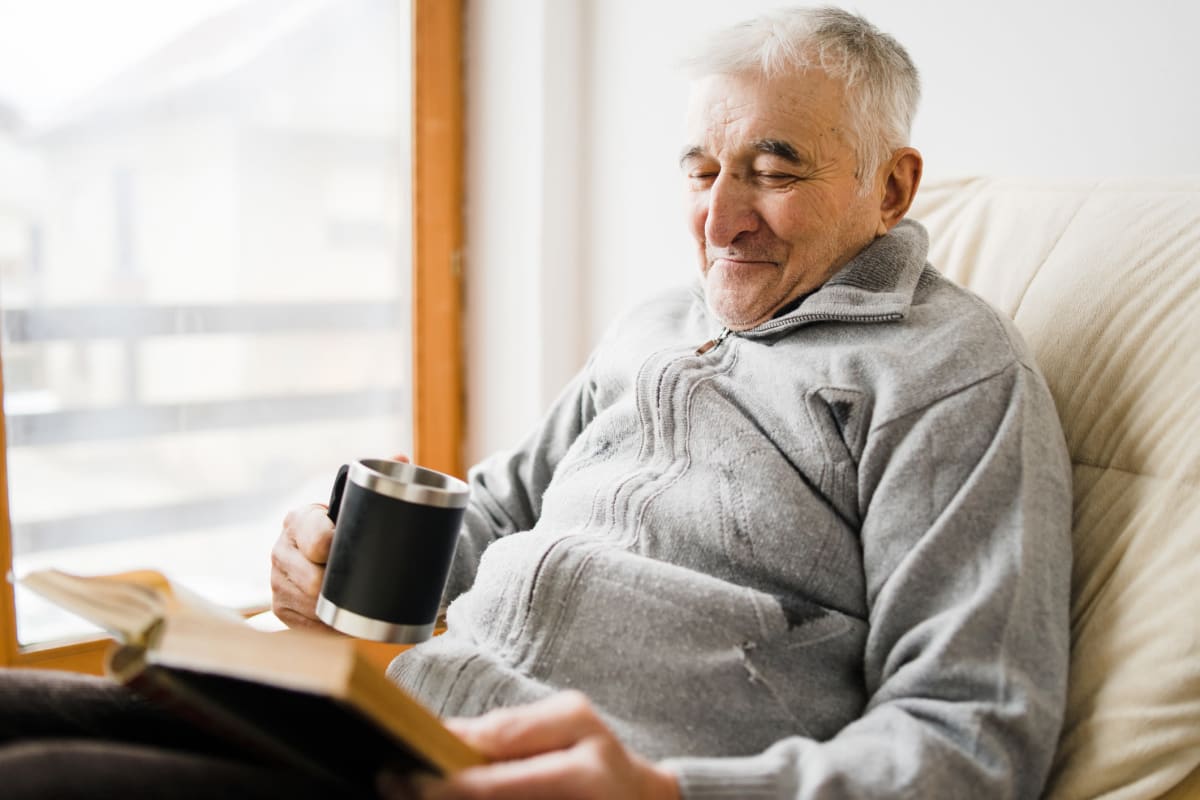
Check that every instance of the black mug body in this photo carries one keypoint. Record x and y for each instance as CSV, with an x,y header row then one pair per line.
x,y
396,528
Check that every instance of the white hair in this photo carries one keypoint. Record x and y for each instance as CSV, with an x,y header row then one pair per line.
x,y
882,84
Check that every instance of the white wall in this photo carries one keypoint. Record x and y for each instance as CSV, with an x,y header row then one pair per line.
x,y
574,128
525,165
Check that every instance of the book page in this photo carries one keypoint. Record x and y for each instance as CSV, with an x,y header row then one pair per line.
x,y
129,605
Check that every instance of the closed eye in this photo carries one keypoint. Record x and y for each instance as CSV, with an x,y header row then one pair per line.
x,y
775,179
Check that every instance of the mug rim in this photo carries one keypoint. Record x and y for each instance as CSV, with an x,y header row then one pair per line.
x,y
404,481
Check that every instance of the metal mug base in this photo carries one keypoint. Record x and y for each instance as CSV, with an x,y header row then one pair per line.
x,y
367,628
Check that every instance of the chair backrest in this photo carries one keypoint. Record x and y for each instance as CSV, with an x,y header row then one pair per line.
x,y
1103,280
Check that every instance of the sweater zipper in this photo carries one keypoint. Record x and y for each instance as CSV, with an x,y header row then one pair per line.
x,y
715,342
711,343
707,347
770,325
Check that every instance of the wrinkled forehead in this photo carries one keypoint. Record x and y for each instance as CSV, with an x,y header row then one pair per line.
x,y
799,107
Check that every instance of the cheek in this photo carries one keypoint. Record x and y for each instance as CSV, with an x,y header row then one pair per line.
x,y
789,219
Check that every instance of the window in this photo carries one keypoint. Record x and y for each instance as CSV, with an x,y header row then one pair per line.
x,y
206,292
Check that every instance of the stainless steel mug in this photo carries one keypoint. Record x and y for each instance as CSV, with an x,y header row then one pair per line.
x,y
395,529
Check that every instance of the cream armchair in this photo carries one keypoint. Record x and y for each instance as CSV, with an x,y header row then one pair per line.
x,y
1103,280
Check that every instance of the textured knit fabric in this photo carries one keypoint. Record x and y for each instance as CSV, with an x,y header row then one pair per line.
x,y
827,557
1102,278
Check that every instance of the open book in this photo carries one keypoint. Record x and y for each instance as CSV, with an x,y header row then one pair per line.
x,y
303,700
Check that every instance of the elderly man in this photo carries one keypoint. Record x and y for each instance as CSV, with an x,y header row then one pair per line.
x,y
801,531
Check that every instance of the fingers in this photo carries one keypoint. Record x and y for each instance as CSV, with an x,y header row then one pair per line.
x,y
400,457
554,723
299,553
575,773
312,531
596,768
555,748
297,569
293,607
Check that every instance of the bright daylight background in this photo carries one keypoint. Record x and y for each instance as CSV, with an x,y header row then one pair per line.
x,y
203,277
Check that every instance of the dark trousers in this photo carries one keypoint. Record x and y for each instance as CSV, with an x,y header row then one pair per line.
x,y
73,736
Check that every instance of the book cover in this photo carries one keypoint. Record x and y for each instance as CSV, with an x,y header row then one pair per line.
x,y
304,700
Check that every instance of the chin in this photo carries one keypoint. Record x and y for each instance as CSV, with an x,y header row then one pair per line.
x,y
735,316
734,309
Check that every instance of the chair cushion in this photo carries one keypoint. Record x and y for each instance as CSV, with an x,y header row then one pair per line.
x,y
1103,280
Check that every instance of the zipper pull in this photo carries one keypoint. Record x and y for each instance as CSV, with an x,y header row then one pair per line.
x,y
711,343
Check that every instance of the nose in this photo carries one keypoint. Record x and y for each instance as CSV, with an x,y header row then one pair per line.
x,y
730,211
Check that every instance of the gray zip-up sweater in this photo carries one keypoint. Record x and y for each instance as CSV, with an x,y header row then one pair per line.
x,y
828,557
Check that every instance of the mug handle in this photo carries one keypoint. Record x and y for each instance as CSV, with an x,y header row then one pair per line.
x,y
339,488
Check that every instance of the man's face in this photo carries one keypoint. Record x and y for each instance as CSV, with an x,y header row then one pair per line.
x,y
773,199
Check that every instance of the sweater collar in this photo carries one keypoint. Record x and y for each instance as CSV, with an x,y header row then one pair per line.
x,y
881,278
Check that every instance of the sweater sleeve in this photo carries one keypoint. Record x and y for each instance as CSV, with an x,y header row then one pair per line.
x,y
966,550
507,488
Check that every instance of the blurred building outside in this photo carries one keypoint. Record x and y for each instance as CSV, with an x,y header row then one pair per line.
x,y
205,295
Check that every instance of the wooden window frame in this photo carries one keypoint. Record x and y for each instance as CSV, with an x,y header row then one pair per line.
x,y
437,192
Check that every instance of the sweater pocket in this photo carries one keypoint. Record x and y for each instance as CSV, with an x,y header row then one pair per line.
x,y
839,420
810,662
682,663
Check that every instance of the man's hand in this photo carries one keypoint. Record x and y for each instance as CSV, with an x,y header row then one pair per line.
x,y
298,564
555,748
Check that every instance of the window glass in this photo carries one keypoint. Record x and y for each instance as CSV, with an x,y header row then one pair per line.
x,y
204,277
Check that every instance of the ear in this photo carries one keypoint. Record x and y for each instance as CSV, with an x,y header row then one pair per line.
x,y
901,177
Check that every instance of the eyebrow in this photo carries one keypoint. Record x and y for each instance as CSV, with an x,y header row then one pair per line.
x,y
779,149
771,147
688,153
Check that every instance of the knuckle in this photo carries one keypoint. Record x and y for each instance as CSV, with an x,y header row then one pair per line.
x,y
312,584
606,748
314,541
495,723
576,702
591,769
491,739
279,553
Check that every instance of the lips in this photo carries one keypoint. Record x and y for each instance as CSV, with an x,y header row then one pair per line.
x,y
740,263
740,257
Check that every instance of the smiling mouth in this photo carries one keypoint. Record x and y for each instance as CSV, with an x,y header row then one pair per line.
x,y
740,263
